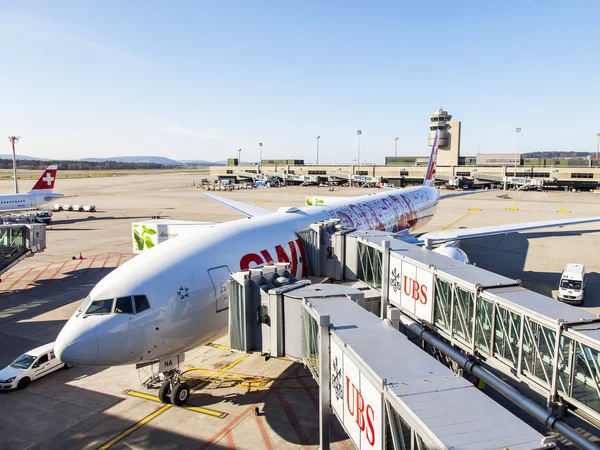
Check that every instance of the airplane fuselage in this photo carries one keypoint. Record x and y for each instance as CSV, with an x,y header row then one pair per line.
x,y
185,279
11,202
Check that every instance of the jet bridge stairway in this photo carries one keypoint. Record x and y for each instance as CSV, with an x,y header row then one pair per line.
x,y
18,242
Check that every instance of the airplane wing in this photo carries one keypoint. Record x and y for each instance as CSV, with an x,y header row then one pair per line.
x,y
460,194
437,237
244,208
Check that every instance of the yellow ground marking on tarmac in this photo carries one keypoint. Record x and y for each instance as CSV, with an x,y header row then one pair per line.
x,y
164,408
514,207
471,210
209,412
224,347
562,208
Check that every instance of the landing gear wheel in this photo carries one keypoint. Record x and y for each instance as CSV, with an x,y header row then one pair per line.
x,y
164,393
180,394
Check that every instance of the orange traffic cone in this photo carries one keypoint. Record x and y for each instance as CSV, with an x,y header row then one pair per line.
x,y
80,257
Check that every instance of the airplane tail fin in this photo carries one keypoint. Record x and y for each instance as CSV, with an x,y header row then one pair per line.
x,y
430,174
46,182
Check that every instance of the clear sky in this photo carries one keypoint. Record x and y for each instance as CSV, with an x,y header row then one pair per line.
x,y
198,80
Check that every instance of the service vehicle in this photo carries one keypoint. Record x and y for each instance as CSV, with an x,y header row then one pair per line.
x,y
571,287
42,217
37,217
30,366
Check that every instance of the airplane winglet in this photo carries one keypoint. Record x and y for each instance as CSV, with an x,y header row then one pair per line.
x,y
244,208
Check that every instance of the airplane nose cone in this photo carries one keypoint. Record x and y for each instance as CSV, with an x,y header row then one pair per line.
x,y
76,347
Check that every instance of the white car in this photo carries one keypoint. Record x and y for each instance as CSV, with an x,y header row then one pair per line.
x,y
30,366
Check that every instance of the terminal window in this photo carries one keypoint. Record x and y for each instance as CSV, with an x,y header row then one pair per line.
x,y
230,172
317,172
362,172
582,175
463,174
404,173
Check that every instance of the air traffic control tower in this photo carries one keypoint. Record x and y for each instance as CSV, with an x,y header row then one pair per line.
x,y
449,137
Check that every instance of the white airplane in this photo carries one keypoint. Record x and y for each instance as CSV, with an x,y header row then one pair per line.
x,y
40,193
174,297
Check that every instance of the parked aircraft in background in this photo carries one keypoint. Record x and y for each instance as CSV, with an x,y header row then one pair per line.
x,y
40,194
174,297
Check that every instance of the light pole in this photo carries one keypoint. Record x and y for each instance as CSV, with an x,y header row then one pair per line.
x,y
14,139
318,137
517,130
260,163
597,146
396,146
239,157
358,133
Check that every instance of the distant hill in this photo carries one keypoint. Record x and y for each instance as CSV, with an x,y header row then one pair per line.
x,y
23,157
201,162
137,159
157,160
128,159
556,154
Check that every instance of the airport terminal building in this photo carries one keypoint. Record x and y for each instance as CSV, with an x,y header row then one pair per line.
x,y
571,173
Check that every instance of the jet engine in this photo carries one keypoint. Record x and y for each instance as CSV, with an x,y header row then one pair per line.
x,y
451,251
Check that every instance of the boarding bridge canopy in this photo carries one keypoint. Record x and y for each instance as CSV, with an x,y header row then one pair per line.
x,y
553,347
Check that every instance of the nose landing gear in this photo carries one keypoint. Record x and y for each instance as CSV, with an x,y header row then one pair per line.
x,y
174,390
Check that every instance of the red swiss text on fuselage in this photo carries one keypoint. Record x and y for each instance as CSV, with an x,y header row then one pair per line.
x,y
295,248
363,413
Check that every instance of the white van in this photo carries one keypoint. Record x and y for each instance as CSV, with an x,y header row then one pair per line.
x,y
572,284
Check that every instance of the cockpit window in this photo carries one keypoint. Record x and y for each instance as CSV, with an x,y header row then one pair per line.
x,y
124,305
100,307
141,303
84,304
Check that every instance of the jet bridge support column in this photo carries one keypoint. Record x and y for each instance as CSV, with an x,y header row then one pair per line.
x,y
324,389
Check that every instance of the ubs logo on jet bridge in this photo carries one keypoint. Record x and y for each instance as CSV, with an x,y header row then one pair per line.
x,y
292,253
411,288
355,401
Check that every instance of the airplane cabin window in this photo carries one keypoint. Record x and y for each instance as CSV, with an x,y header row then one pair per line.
x,y
101,307
141,303
124,305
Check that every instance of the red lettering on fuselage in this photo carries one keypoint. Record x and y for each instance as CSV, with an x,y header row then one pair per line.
x,y
249,259
282,256
267,256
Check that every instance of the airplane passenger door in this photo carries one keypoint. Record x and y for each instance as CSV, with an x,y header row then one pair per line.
x,y
219,277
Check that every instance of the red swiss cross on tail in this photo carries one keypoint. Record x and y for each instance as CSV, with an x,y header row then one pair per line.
x,y
46,181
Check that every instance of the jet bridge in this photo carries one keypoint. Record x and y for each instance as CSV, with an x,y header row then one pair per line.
x,y
551,347
385,391
17,242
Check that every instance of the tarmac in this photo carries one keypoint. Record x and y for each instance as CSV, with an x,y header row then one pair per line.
x,y
93,408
